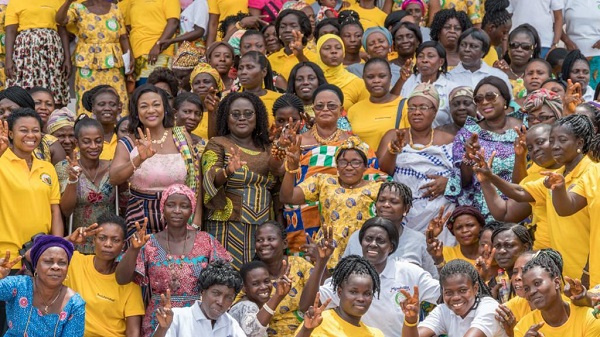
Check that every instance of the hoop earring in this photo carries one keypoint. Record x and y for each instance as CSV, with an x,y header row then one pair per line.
x,y
35,274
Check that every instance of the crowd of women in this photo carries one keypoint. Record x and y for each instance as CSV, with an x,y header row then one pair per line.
x,y
296,168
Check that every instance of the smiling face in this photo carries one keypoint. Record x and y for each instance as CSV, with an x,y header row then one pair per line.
x,y
459,293
466,230
351,167
221,59
66,138
106,108
272,42
269,244
202,84
538,147
389,205
6,108
151,110
356,295
305,83
405,42
376,245
508,248
516,280
216,300
470,51
91,142
461,107
327,99
332,53
188,115
429,62
490,108
536,73
26,134
450,33
44,105
378,45
253,42
242,118
351,35
580,73
52,267
564,144
250,73
540,288
109,243
258,286
377,78
178,210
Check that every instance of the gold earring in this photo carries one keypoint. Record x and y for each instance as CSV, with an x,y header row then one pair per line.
x,y
578,150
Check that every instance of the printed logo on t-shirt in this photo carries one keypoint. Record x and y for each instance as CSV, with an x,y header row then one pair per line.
x,y
397,296
46,179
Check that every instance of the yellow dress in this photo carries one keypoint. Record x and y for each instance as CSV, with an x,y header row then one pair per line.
x,y
98,57
344,209
2,46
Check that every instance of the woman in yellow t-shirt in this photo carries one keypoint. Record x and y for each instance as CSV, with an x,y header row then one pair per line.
x,y
203,78
554,317
331,59
112,310
370,15
219,55
256,76
496,23
511,312
356,282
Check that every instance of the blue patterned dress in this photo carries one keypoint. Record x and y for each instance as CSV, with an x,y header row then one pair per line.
x,y
17,291
503,165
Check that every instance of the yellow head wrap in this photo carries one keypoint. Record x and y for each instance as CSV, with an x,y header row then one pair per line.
x,y
206,68
337,75
355,143
60,118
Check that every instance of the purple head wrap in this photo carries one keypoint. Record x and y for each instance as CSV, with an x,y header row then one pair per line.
x,y
43,242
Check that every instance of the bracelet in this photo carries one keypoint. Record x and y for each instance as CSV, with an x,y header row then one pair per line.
x,y
224,170
69,181
268,309
585,272
468,162
410,325
239,26
285,165
132,164
441,264
390,150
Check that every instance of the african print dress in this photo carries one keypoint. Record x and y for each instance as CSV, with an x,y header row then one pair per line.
x,y
157,270
305,219
42,152
98,56
2,45
235,209
504,162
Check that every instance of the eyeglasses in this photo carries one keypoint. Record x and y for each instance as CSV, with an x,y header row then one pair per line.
x,y
329,106
452,27
421,108
489,96
541,118
342,163
525,46
246,114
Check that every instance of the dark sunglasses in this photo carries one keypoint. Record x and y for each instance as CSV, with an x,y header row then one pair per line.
x,y
489,96
525,46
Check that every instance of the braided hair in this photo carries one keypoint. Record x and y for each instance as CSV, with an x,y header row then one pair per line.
x,y
263,63
441,17
496,13
582,128
462,267
260,135
593,111
520,231
349,17
288,101
220,273
19,96
548,259
569,62
403,191
354,265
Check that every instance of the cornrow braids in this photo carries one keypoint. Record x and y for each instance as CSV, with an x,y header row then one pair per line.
x,y
349,18
594,111
520,231
220,273
582,128
354,265
260,135
569,62
441,17
548,259
288,101
263,63
496,13
462,267
400,189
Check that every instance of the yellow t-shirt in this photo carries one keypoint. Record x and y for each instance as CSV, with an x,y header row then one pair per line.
x,y
369,17
538,211
107,302
371,121
454,253
581,323
29,14
25,199
569,235
354,92
225,8
491,57
269,99
202,129
108,150
148,19
587,187
283,63
334,326
519,307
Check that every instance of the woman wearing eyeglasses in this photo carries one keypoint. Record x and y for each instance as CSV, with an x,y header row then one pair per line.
x,y
237,181
494,133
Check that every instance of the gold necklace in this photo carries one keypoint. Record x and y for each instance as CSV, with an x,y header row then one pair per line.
x,y
323,141
162,140
410,140
46,305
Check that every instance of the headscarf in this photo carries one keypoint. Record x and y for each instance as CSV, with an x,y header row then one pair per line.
x,y
354,143
177,189
235,40
207,68
428,91
462,91
464,210
43,242
297,5
187,57
60,118
338,75
377,29
19,96
405,4
541,97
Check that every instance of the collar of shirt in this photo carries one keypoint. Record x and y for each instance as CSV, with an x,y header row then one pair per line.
x,y
199,316
389,271
461,69
11,156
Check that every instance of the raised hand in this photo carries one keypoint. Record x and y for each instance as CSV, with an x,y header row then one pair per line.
x,y
406,70
73,167
574,289
436,225
534,330
139,238
234,162
312,317
310,249
397,144
3,137
254,21
164,313
211,101
520,144
483,168
506,317
484,262
6,264
144,145
296,45
553,180
326,246
435,248
274,132
502,65
411,305
573,97
293,154
472,146
80,234
435,187
284,282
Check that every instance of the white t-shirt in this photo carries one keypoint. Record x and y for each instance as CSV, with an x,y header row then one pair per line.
x,y
191,322
582,24
385,313
442,320
539,14
462,76
195,14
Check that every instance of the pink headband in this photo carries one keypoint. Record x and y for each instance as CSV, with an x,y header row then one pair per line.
x,y
405,4
177,189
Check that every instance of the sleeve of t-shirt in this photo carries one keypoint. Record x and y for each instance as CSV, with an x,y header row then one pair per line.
x,y
586,185
213,7
258,4
134,304
485,319
536,188
326,291
172,9
429,288
124,8
557,5
12,13
434,321
55,188
200,15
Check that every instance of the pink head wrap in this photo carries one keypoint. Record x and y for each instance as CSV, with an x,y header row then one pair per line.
x,y
177,189
405,4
